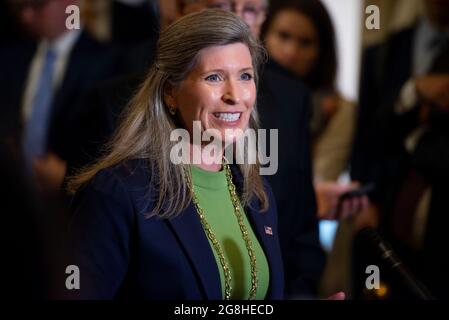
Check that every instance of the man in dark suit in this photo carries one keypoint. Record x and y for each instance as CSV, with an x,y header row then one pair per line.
x,y
42,84
284,104
104,105
134,22
402,140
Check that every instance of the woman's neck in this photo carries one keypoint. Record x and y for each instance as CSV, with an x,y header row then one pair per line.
x,y
209,167
212,164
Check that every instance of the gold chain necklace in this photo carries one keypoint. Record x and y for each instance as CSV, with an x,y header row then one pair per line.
x,y
216,244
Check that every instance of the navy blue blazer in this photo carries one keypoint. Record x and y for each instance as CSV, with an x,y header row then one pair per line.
x,y
123,254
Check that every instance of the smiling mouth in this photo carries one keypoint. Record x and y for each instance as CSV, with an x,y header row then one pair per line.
x,y
228,116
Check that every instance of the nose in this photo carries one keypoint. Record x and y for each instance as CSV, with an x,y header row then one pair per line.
x,y
231,95
229,99
289,51
26,15
237,10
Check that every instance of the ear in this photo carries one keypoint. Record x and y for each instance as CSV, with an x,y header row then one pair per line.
x,y
169,96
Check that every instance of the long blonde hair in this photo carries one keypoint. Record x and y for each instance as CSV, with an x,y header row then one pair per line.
x,y
145,130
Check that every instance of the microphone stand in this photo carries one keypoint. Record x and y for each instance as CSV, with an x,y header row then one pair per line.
x,y
393,262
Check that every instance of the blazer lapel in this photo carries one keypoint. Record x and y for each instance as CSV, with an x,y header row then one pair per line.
x,y
192,238
266,233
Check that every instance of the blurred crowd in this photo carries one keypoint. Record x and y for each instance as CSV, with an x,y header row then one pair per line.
x,y
62,93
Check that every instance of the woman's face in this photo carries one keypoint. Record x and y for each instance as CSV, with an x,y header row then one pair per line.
x,y
292,41
220,91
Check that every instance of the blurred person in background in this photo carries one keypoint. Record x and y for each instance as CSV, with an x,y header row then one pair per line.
x,y
299,35
107,100
42,83
134,21
402,142
134,28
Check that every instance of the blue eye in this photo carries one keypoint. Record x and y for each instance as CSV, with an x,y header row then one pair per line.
x,y
246,76
213,77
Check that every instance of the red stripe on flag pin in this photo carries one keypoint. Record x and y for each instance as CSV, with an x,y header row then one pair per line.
x,y
268,230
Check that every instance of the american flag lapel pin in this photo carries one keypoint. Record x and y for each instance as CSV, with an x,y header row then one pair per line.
x,y
268,230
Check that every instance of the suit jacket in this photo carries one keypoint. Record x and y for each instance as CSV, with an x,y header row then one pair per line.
x,y
104,104
284,104
134,23
88,63
385,69
123,254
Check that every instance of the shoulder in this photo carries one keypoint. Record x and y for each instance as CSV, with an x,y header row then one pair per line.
x,y
129,173
274,74
95,53
126,184
87,40
283,99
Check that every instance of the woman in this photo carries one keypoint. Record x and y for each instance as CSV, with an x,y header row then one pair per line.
x,y
145,227
299,35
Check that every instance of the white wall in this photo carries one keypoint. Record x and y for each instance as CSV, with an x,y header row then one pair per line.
x,y
348,20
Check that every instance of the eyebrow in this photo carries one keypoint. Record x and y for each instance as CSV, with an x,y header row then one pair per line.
x,y
223,71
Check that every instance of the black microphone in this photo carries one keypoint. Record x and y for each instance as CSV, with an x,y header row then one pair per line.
x,y
393,262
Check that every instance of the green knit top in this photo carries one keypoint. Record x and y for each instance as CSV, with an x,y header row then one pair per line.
x,y
211,189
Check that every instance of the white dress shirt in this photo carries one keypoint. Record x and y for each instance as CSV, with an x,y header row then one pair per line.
x,y
62,47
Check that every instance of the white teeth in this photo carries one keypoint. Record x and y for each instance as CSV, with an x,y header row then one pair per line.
x,y
229,117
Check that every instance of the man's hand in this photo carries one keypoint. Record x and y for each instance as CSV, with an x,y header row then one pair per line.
x,y
367,218
49,172
434,88
337,296
330,105
328,200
